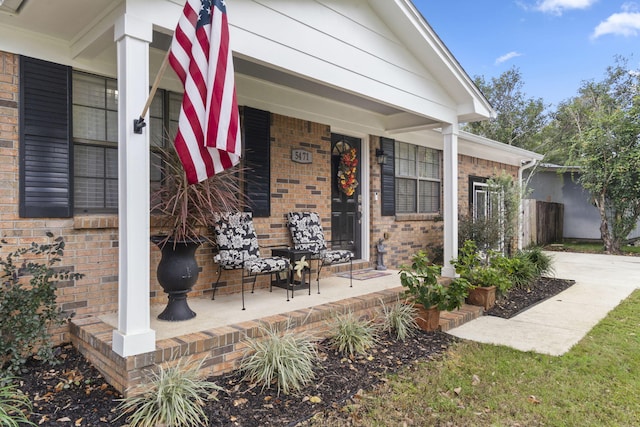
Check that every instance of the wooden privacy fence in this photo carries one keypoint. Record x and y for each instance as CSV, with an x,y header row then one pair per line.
x,y
542,222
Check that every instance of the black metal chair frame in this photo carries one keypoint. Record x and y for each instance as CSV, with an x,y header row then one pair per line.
x,y
246,257
311,238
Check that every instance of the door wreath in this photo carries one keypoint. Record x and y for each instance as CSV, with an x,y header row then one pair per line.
x,y
347,172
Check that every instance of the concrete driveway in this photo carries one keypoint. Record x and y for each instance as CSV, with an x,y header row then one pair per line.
x,y
555,325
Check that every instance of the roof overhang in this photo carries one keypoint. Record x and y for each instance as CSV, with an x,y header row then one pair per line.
x,y
440,92
485,148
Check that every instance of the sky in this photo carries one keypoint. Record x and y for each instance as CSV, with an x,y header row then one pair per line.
x,y
556,44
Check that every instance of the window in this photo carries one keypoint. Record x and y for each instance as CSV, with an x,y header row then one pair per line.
x,y
95,139
486,202
95,136
479,199
417,179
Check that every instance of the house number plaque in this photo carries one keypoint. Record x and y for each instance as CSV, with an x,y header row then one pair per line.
x,y
301,156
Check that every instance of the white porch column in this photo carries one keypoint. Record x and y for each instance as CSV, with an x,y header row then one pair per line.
x,y
134,334
450,189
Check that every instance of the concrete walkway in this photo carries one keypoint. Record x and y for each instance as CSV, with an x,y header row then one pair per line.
x,y
555,325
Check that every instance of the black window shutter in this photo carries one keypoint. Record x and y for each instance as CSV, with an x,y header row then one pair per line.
x,y
46,189
387,178
257,159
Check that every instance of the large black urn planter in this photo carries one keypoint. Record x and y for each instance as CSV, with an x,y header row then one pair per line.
x,y
177,273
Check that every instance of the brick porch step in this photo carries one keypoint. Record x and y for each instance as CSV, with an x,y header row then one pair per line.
x,y
453,319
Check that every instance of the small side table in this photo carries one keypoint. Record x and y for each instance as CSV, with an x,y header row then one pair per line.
x,y
294,255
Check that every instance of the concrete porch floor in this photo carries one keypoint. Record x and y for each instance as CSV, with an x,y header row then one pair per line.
x,y
218,333
227,309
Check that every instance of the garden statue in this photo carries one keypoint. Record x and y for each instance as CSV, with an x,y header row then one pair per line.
x,y
381,251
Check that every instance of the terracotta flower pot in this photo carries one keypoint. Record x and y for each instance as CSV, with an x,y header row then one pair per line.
x,y
482,296
428,318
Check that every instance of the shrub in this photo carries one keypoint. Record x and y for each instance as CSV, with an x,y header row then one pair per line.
x,y
468,258
484,232
399,319
519,269
542,262
286,358
351,335
28,309
173,396
12,404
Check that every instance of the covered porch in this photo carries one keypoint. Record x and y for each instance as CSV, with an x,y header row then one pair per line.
x,y
370,70
218,332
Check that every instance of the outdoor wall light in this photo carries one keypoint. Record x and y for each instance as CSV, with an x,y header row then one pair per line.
x,y
380,156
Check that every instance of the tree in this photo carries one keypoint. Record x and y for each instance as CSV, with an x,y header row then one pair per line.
x,y
600,132
519,120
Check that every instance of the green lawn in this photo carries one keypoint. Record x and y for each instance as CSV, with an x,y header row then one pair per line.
x,y
595,247
597,383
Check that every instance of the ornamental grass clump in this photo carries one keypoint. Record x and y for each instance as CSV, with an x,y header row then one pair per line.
x,y
172,396
399,319
286,359
542,262
14,405
351,335
518,269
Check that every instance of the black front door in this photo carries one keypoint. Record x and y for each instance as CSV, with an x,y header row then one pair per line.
x,y
345,193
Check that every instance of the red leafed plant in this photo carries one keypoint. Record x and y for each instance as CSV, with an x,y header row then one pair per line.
x,y
184,212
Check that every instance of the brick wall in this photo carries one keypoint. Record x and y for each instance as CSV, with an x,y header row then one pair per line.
x,y
477,167
294,186
408,234
405,234
91,242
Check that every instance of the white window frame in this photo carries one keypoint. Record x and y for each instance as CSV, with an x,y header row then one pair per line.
x,y
411,174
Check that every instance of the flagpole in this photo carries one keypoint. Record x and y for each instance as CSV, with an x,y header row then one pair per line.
x,y
139,123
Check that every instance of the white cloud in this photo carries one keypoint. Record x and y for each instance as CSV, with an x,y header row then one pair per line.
x,y
556,7
623,24
507,57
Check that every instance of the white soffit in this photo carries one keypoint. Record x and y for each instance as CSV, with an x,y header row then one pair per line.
x,y
11,7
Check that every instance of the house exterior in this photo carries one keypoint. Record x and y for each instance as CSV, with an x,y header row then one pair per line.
x,y
313,79
559,184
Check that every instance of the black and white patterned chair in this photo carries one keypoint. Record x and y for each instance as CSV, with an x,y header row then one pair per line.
x,y
307,235
238,248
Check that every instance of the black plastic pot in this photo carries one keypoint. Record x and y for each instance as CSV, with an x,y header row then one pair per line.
x,y
177,273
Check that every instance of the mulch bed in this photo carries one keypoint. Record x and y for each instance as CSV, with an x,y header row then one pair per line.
x,y
519,299
73,393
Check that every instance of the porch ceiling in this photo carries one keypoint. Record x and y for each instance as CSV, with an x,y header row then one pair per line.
x,y
304,85
62,19
84,30
79,27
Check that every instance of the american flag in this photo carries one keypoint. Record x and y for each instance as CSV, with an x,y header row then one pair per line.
x,y
208,138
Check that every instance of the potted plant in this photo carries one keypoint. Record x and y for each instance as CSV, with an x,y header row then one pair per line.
x,y
182,214
483,279
429,295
